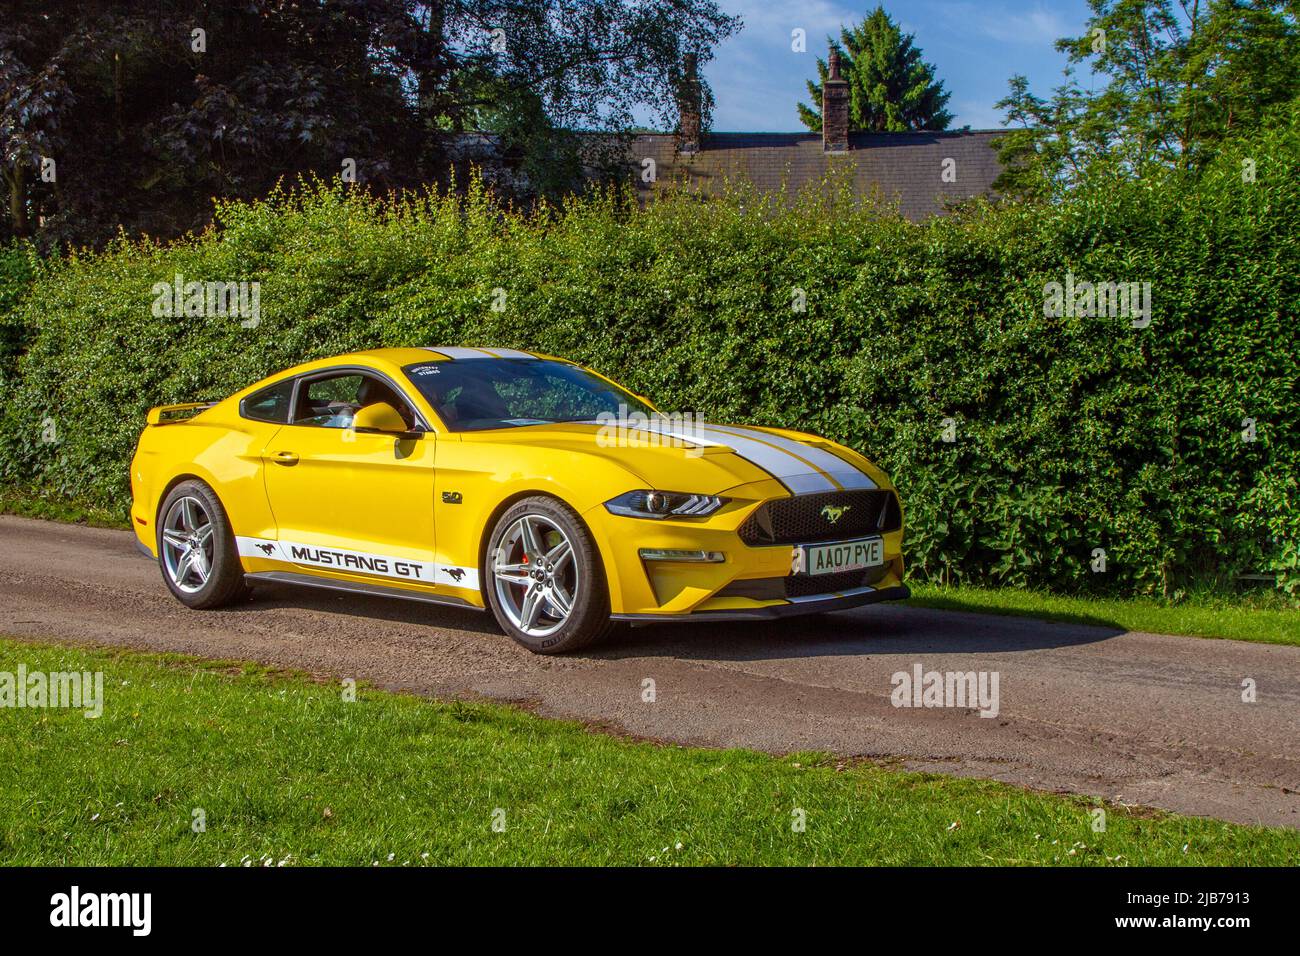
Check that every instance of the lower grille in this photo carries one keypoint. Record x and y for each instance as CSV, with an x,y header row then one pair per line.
x,y
798,586
806,519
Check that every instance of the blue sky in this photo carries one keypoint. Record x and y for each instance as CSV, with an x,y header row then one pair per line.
x,y
975,46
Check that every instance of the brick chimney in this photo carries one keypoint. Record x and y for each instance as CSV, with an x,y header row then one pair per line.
x,y
835,109
689,107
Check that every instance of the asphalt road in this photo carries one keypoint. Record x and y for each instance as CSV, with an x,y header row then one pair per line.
x,y
1141,719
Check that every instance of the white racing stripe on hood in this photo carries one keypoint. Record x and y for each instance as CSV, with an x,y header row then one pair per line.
x,y
835,466
796,475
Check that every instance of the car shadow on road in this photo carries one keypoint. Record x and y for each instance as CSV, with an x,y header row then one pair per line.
x,y
892,629
882,629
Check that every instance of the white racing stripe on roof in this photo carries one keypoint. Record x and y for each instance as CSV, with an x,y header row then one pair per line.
x,y
835,466
796,475
458,352
465,352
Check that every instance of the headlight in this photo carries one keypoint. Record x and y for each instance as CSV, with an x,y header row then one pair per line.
x,y
663,504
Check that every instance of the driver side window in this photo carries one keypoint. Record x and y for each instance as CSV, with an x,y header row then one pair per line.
x,y
332,401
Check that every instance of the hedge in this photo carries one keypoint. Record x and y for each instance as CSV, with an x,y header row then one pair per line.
x,y
1069,434
18,266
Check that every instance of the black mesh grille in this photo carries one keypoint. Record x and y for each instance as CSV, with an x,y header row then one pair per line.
x,y
805,519
800,586
769,589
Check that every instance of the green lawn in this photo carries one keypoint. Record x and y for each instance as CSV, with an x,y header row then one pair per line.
x,y
285,769
1264,619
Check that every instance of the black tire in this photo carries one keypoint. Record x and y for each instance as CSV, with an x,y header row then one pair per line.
x,y
224,581
587,620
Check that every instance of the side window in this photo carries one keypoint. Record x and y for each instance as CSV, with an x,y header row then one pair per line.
x,y
332,401
270,404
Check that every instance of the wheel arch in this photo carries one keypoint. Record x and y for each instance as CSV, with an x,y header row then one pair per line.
x,y
167,489
508,502
171,484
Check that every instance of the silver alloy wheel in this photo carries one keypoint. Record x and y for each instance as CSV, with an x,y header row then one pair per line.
x,y
187,544
535,576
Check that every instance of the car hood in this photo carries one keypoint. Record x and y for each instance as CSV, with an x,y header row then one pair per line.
x,y
704,459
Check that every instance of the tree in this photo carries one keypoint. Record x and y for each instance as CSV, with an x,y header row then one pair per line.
x,y
891,89
1180,77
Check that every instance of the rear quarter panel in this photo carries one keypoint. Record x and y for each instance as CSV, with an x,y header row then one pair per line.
x,y
221,450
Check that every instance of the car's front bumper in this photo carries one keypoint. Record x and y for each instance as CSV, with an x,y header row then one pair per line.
x,y
748,584
792,607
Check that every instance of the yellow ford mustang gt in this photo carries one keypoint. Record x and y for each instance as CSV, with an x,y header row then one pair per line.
x,y
489,477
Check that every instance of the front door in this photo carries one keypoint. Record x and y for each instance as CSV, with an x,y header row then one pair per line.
x,y
346,504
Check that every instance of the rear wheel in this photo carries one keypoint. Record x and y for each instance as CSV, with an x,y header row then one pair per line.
x,y
196,548
545,582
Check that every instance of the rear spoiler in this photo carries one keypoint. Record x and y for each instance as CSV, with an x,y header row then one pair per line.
x,y
171,414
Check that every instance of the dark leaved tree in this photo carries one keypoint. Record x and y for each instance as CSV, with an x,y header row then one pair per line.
x,y
135,116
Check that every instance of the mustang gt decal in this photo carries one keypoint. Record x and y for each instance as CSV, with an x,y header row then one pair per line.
x,y
356,562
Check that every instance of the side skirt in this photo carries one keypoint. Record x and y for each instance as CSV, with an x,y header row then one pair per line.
x,y
370,590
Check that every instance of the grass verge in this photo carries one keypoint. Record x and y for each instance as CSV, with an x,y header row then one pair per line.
x,y
1265,620
51,507
281,768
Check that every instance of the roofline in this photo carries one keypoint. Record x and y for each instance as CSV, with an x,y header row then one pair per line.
x,y
808,132
772,132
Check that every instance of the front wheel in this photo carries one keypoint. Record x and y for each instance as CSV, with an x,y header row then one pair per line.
x,y
545,582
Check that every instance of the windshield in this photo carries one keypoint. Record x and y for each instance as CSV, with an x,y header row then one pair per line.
x,y
474,394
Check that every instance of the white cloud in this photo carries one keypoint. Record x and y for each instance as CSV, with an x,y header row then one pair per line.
x,y
818,17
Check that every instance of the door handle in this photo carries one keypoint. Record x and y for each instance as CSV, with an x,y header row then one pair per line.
x,y
285,458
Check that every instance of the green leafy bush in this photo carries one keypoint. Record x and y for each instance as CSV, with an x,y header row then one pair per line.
x,y
18,265
1070,433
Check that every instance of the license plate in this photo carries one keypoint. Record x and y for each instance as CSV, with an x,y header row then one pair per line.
x,y
813,559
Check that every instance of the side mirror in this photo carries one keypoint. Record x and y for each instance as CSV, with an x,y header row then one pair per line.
x,y
381,419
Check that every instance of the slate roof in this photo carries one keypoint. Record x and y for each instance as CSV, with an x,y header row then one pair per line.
x,y
902,167
906,167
